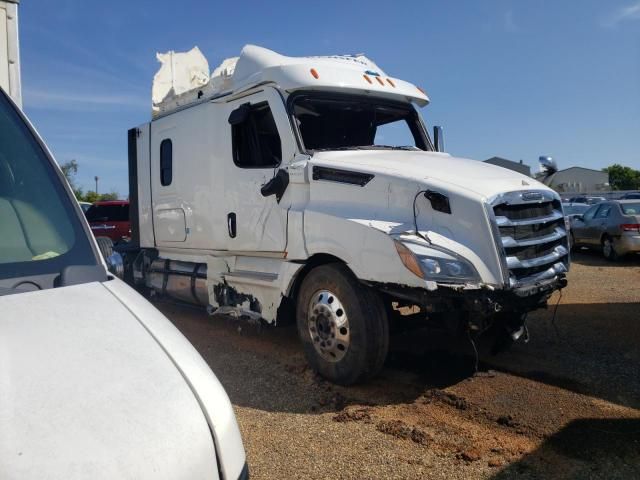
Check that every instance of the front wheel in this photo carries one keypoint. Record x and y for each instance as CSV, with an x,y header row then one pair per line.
x,y
342,324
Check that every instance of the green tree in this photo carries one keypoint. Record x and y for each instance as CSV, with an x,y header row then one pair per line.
x,y
90,197
69,170
113,195
623,178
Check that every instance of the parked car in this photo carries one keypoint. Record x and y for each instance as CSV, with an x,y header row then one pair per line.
x,y
110,219
589,200
572,210
613,226
94,381
85,206
631,196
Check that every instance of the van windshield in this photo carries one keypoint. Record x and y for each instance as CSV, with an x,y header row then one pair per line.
x,y
41,233
348,122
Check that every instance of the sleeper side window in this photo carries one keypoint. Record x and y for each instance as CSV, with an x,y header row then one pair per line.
x,y
166,162
255,139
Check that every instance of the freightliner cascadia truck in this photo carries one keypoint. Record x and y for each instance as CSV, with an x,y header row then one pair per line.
x,y
310,189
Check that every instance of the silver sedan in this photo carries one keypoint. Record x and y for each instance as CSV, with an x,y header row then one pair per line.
x,y
613,226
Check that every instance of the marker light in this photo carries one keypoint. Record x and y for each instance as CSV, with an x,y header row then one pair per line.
x,y
367,78
391,83
314,72
380,81
421,90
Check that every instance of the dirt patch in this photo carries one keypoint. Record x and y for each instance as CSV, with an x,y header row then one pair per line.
x,y
470,455
353,415
565,405
436,395
399,429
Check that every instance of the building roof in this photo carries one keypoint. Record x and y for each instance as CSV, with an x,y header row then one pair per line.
x,y
581,168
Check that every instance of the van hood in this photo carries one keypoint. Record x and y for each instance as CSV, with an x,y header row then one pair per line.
x,y
87,392
472,175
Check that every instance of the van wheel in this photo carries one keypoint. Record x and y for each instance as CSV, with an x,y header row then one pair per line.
x,y
608,249
342,324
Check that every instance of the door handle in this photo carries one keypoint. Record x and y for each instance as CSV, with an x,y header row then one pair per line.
x,y
231,224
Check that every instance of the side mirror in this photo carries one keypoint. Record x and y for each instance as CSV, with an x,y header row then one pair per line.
x,y
276,186
548,164
240,114
438,138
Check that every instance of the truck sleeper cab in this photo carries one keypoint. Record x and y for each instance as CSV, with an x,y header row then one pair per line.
x,y
309,187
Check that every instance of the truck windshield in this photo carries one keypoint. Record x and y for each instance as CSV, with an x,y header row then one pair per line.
x,y
345,122
40,232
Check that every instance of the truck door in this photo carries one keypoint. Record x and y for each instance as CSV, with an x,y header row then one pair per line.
x,y
169,222
260,141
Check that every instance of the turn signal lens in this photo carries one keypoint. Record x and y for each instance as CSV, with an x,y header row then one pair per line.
x,y
314,73
408,259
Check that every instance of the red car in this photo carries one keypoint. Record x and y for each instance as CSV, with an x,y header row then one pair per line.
x,y
110,219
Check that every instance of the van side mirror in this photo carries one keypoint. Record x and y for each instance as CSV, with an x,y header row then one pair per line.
x,y
240,114
438,138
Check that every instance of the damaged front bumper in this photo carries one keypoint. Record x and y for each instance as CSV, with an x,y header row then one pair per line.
x,y
475,306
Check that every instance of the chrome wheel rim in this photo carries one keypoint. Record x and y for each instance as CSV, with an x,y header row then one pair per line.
x,y
328,325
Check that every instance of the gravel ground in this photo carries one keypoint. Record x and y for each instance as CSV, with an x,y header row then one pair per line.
x,y
565,405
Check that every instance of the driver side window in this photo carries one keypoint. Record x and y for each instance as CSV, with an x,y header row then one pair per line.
x,y
256,142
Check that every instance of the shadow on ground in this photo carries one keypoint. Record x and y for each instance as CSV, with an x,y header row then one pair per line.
x,y
594,258
592,350
585,448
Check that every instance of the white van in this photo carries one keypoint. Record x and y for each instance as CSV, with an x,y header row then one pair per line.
x,y
310,187
94,381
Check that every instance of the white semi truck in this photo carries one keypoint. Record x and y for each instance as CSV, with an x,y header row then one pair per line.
x,y
10,50
310,188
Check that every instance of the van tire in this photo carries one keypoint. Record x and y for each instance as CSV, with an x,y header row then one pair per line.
x,y
366,319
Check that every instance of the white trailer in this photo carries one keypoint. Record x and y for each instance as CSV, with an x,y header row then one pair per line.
x,y
309,188
10,50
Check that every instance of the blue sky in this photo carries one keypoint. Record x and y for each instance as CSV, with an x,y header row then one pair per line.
x,y
510,78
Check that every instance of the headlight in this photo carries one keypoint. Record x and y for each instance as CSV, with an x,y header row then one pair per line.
x,y
437,264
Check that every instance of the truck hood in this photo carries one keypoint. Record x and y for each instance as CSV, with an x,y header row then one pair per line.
x,y
87,392
474,176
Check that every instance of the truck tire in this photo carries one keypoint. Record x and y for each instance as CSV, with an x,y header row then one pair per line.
x,y
105,244
342,324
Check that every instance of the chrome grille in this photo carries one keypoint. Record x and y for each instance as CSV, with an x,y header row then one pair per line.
x,y
532,236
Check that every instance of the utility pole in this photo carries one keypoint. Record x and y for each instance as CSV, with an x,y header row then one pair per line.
x,y
96,179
